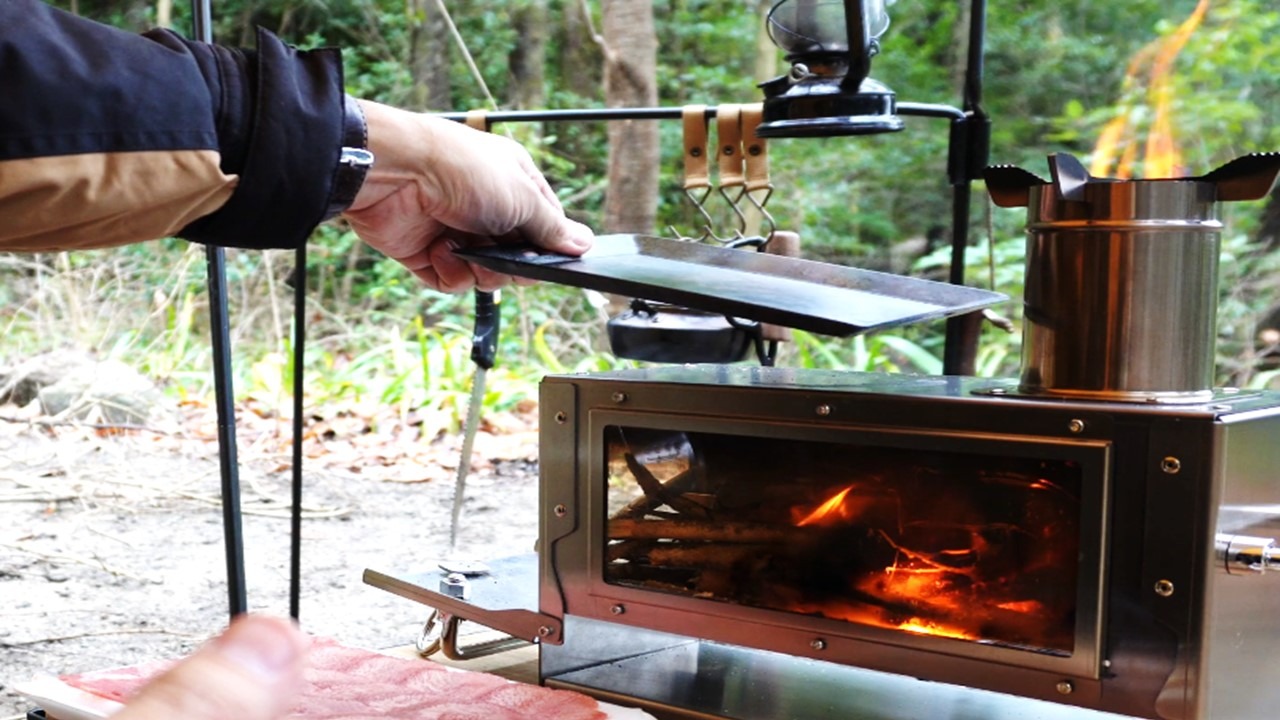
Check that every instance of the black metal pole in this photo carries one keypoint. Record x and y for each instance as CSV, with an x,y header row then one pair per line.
x,y
955,353
663,113
974,65
215,260
957,357
858,37
299,357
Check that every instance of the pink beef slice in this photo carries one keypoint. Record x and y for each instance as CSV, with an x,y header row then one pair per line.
x,y
117,684
343,683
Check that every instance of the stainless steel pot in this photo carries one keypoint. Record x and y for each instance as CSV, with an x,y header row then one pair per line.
x,y
1121,278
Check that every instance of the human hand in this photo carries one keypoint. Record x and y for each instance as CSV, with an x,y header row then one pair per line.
x,y
250,672
437,185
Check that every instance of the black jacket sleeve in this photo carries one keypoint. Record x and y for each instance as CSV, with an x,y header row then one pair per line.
x,y
90,96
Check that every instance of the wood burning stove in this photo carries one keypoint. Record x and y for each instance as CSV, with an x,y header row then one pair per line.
x,y
732,542
755,542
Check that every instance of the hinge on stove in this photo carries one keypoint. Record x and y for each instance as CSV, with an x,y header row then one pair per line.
x,y
497,604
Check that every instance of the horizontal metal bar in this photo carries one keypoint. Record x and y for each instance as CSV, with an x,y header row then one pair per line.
x,y
661,113
931,110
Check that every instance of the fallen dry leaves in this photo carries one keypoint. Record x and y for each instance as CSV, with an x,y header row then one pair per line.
x,y
376,441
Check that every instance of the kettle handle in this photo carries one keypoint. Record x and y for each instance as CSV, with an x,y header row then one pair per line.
x,y
1248,177
1010,185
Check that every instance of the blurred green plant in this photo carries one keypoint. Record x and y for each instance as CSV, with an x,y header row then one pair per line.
x,y
1054,73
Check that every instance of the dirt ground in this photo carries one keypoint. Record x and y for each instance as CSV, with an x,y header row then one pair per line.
x,y
111,547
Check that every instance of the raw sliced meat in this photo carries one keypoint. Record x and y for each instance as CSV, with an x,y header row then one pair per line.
x,y
117,683
344,683
534,701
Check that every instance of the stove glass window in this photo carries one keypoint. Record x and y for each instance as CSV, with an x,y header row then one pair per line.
x,y
975,547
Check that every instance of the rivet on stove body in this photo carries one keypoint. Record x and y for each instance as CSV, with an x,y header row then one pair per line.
x,y
618,609
544,631
818,644
1066,687
1171,465
1164,588
1076,426
562,417
619,397
823,410
560,510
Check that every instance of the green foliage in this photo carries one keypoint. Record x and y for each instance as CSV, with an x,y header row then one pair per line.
x,y
881,352
1053,77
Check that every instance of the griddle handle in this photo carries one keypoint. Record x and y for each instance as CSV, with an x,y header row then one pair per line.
x,y
484,341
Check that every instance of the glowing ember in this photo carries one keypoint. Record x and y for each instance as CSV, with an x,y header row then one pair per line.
x,y
1026,606
923,627
833,504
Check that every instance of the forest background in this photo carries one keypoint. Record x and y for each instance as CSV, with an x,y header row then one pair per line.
x,y
1059,76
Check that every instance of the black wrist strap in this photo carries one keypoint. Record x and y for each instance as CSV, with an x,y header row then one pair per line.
x,y
354,161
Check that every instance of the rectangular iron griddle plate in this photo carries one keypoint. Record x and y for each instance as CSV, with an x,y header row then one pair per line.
x,y
803,294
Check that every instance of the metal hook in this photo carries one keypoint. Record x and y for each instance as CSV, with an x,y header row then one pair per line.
x,y
741,230
765,214
707,221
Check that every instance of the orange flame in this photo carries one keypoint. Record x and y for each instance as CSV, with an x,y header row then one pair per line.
x,y
831,505
927,627
1161,157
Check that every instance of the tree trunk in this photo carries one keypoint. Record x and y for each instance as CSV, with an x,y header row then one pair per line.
x,y
430,48
768,63
630,71
580,59
528,59
580,63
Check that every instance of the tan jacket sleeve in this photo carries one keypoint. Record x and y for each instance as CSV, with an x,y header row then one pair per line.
x,y
105,199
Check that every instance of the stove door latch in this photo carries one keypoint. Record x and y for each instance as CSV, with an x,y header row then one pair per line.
x,y
1243,555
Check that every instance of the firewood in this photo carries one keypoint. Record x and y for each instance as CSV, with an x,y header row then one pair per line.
x,y
654,578
705,530
628,549
696,555
644,504
658,493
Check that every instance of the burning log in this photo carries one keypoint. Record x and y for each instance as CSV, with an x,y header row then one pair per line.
x,y
688,555
703,530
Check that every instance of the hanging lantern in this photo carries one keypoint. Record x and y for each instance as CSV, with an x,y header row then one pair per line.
x,y
827,92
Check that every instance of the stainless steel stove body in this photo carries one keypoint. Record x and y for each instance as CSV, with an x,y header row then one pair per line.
x,y
772,543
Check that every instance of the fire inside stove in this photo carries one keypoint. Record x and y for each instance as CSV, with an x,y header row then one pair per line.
x,y
958,545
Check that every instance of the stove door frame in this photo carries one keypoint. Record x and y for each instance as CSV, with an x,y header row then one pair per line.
x,y
579,556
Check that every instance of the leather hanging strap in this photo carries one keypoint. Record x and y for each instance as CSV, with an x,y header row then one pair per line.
x,y
756,150
478,120
729,148
697,172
